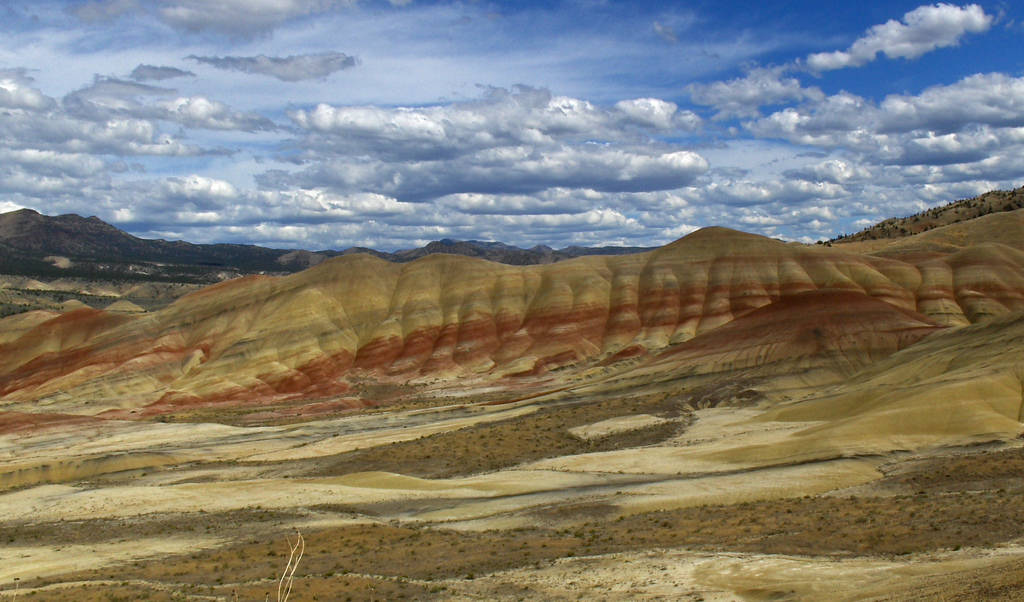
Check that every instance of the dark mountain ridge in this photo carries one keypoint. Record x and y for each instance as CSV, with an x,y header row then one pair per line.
x,y
37,245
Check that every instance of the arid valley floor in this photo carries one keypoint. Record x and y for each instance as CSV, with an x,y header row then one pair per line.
x,y
729,417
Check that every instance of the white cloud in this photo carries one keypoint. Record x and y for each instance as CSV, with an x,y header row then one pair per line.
x,y
551,201
788,192
987,98
512,169
979,118
657,114
522,116
383,156
204,192
53,163
843,119
318,205
744,96
923,30
45,173
114,136
110,97
200,112
241,18
17,93
835,171
285,68
156,72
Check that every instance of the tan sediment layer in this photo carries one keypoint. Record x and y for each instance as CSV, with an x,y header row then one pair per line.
x,y
615,425
688,575
28,562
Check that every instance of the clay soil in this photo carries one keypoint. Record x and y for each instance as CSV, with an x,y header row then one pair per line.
x,y
937,505
488,447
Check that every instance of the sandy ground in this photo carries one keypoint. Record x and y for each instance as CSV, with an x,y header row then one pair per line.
x,y
27,562
487,501
55,502
686,575
615,425
700,466
60,455
698,450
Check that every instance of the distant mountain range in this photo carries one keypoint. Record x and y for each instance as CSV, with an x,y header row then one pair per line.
x,y
499,252
33,244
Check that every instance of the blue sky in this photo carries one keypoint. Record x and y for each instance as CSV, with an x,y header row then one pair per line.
x,y
334,123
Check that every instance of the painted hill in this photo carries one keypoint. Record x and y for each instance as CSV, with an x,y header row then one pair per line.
x,y
320,332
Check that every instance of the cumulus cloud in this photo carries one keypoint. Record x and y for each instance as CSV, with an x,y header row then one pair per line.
x,y
288,68
744,96
239,18
70,148
114,136
992,169
657,114
522,165
108,95
945,149
33,172
503,118
519,158
843,119
16,92
53,163
317,205
158,73
111,97
213,210
834,171
200,191
976,118
922,30
991,98
787,191
17,180
519,169
550,201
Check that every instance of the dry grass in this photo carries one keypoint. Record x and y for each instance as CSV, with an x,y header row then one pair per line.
x,y
396,561
492,446
1003,581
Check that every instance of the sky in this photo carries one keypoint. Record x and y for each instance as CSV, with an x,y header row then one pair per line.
x,y
326,124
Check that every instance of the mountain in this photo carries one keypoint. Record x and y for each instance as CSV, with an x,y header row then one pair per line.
x,y
71,245
502,253
32,244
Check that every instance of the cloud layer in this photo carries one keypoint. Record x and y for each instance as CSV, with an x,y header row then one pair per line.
x,y
223,120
